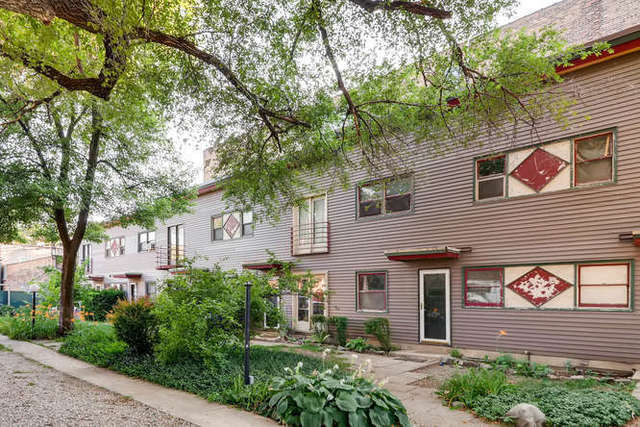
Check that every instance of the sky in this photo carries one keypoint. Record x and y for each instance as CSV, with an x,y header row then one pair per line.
x,y
191,151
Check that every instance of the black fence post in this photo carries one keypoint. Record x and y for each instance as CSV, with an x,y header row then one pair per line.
x,y
247,338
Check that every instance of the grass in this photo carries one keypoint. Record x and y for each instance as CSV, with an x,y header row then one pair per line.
x,y
4,348
219,381
489,394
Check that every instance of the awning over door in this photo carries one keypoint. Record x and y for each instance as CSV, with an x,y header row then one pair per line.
x,y
441,252
127,275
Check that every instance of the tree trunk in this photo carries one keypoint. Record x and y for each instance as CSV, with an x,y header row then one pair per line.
x,y
69,255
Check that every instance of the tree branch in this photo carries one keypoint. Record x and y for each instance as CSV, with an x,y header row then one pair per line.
x,y
415,8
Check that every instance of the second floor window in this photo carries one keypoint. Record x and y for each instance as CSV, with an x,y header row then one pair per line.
x,y
175,243
490,178
86,257
385,197
232,225
594,159
114,247
146,241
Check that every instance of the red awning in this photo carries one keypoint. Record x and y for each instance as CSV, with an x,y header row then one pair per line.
x,y
444,252
96,278
127,276
262,266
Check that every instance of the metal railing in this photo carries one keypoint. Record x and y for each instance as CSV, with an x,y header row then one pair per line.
x,y
310,238
169,257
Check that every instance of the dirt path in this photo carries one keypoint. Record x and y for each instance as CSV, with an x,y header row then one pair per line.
x,y
35,395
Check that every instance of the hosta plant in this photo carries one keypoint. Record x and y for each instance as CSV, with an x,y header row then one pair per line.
x,y
329,399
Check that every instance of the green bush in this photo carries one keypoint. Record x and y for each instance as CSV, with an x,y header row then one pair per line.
x,y
202,312
506,362
563,405
358,345
135,324
340,323
18,326
326,399
100,303
95,344
467,388
379,327
456,353
7,310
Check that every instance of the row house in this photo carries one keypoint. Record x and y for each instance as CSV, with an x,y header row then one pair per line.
x,y
532,236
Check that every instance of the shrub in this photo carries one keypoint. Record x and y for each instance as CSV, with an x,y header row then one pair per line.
x,y
18,327
320,328
326,399
7,310
100,303
456,353
340,323
135,324
380,328
506,362
469,387
358,345
202,312
96,344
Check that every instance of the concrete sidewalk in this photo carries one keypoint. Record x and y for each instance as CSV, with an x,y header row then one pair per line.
x,y
180,404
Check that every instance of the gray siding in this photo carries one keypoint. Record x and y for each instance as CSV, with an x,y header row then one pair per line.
x,y
572,225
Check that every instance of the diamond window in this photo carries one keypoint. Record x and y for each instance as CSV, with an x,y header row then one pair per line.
x,y
232,225
538,169
538,286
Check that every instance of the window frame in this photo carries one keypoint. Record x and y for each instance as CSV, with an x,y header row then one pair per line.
x,y
170,243
242,226
579,304
152,243
383,200
478,179
122,244
465,300
574,164
385,291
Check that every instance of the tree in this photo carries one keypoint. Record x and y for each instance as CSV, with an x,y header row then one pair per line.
x,y
76,155
299,87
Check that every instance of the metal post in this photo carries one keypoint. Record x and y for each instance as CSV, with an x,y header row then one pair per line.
x,y
33,312
247,321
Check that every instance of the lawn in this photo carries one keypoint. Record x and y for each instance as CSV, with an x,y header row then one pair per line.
x,y
218,381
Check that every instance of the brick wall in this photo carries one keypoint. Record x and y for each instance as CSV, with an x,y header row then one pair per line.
x,y
18,275
584,20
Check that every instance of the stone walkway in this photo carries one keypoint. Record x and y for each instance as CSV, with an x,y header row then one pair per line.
x,y
176,403
423,406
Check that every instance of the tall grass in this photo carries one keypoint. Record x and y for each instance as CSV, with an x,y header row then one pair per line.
x,y
469,387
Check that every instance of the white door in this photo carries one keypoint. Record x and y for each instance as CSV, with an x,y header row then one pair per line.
x,y
303,319
435,306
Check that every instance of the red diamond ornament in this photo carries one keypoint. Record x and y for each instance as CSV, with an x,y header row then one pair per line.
x,y
539,286
538,169
231,226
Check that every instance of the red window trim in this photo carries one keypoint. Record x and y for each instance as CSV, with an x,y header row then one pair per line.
x,y
467,303
627,285
358,291
577,141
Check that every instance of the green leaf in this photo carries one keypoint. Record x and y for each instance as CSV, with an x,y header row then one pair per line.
x,y
358,419
380,417
346,402
310,419
276,398
403,419
363,401
339,417
312,402
282,407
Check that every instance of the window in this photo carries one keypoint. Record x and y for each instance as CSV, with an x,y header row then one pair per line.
x,y
490,178
86,257
310,226
231,226
385,197
175,243
603,285
114,247
146,241
150,289
372,291
483,287
593,159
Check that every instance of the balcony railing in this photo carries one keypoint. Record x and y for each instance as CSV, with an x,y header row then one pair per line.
x,y
171,257
310,239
